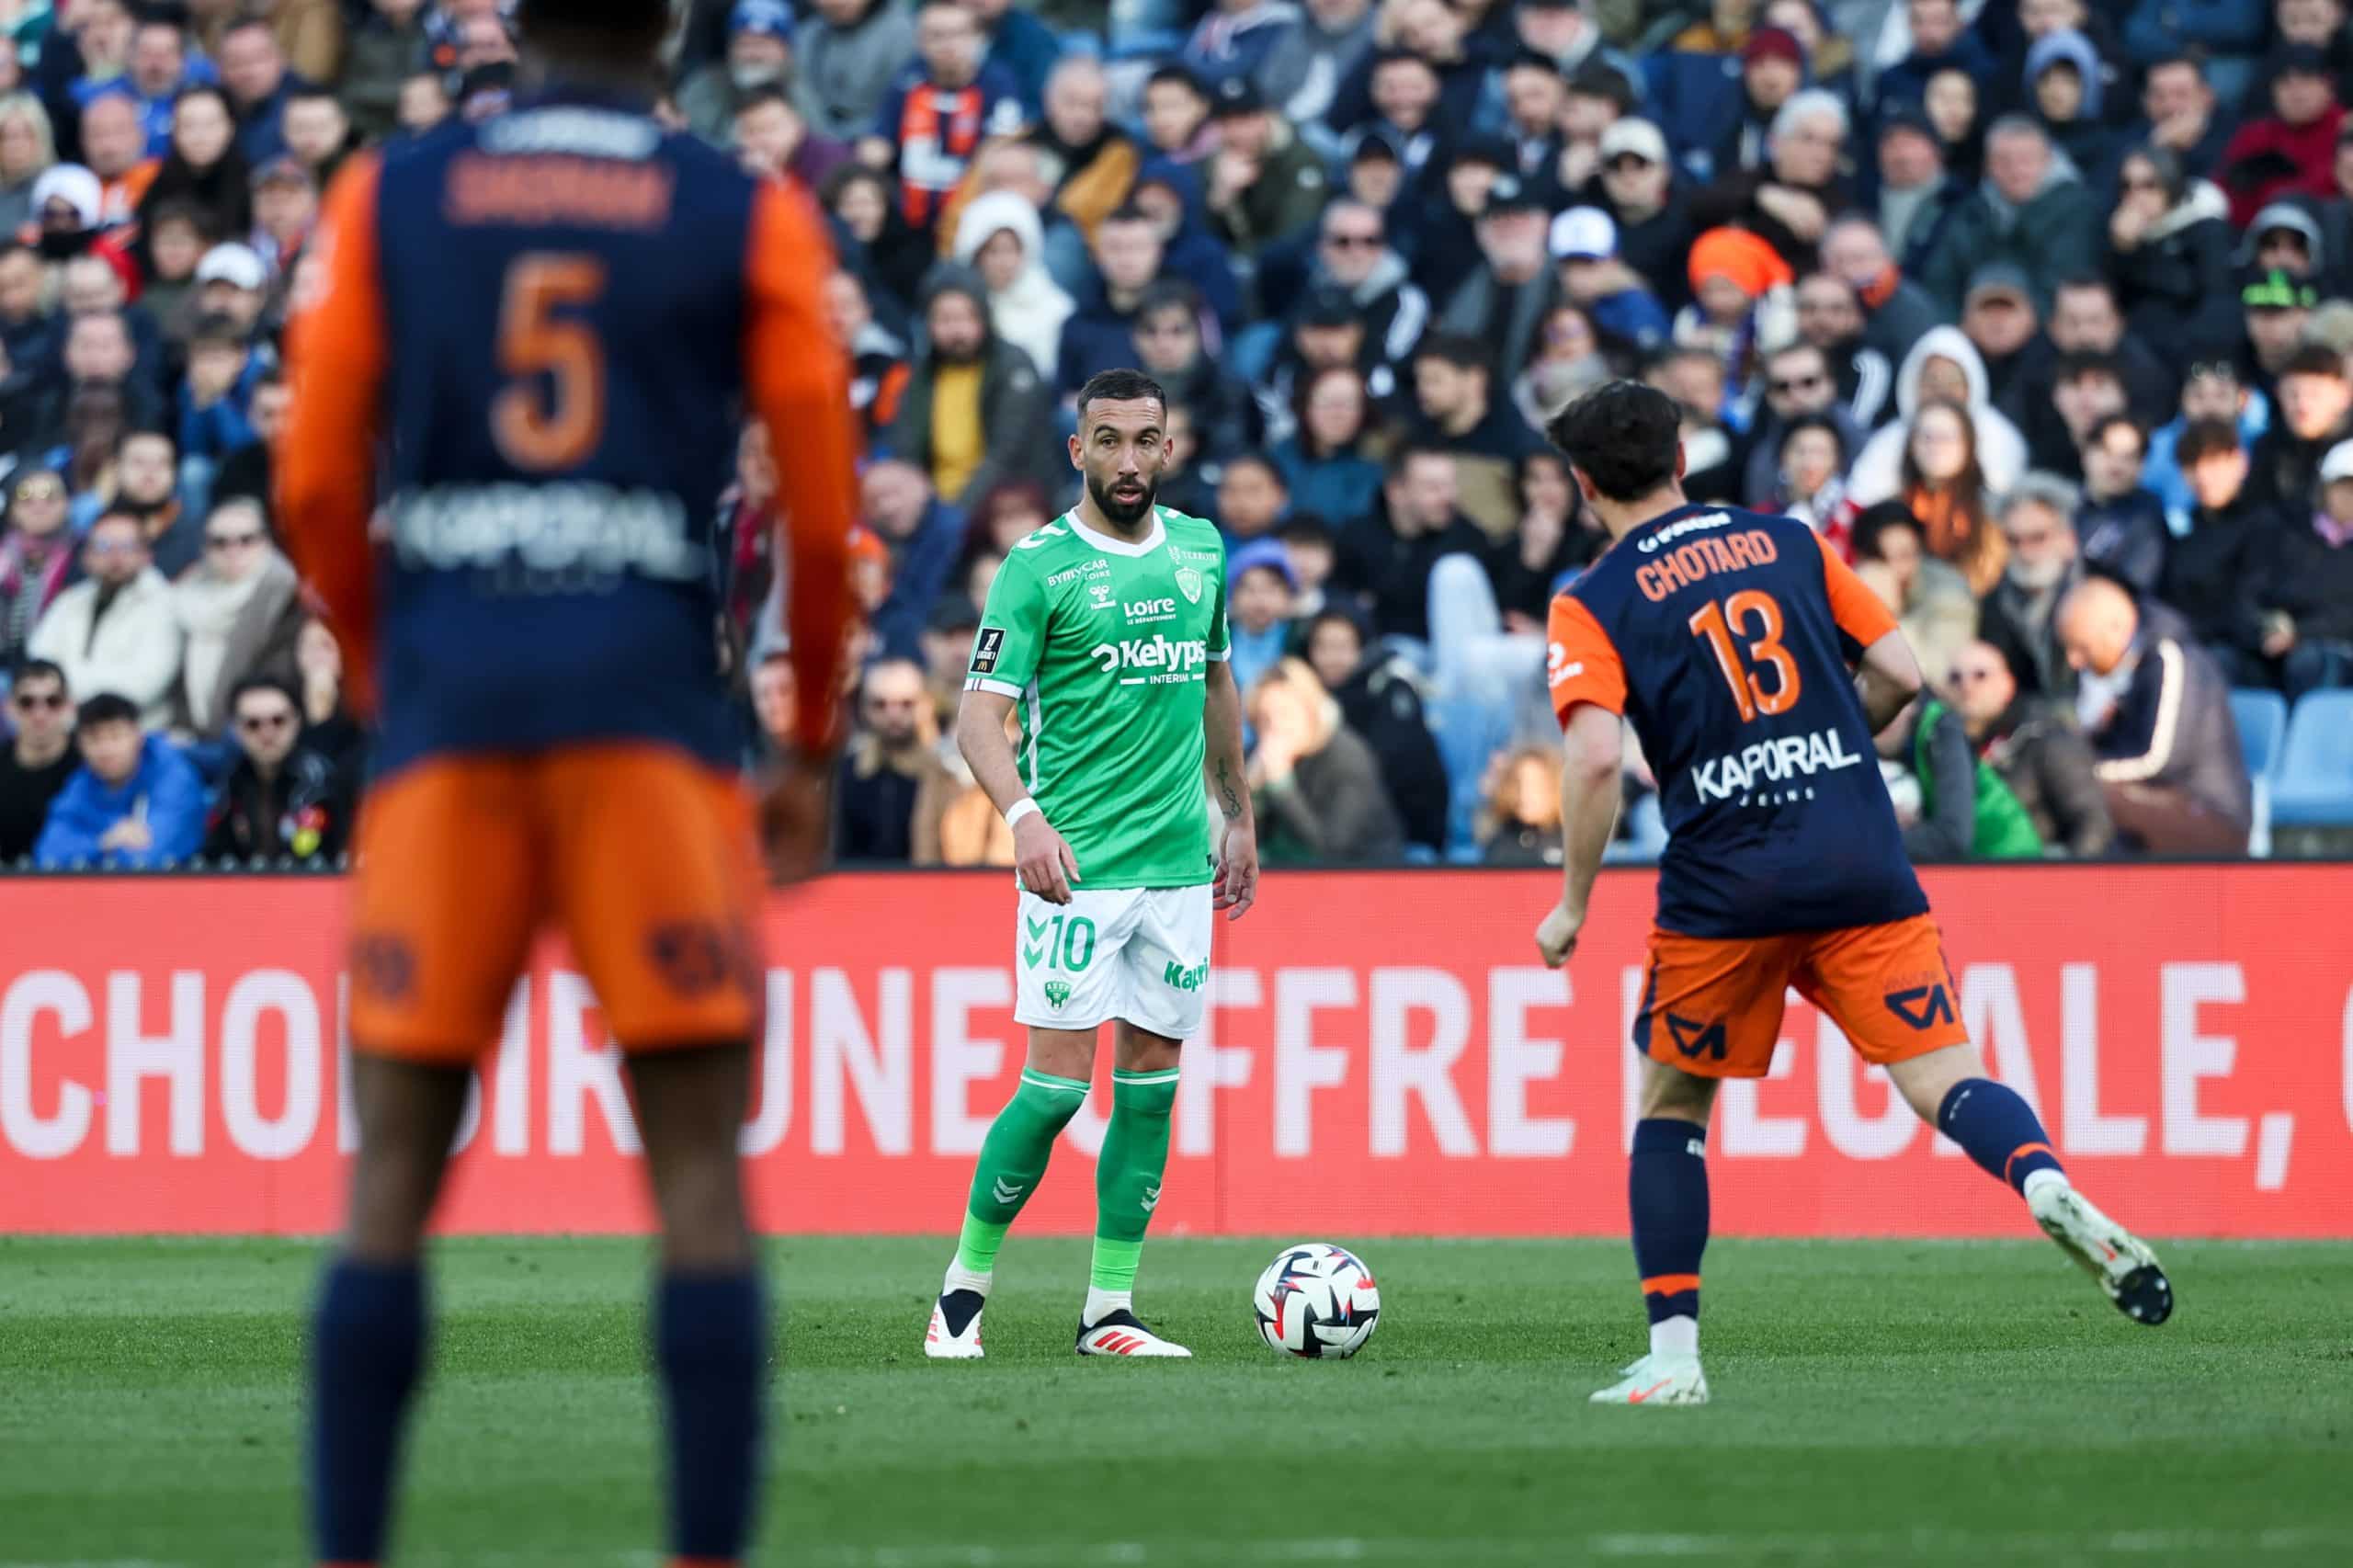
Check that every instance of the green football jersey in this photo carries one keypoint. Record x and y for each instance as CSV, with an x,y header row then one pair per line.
x,y
1105,647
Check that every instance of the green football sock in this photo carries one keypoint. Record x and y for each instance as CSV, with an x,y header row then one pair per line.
x,y
1013,1158
1128,1173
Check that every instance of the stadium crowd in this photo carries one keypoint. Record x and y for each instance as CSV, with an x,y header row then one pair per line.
x,y
2041,310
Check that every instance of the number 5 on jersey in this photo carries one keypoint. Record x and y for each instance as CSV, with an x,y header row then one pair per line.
x,y
545,427
1721,624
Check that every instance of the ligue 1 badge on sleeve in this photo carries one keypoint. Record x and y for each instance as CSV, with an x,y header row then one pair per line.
x,y
1189,582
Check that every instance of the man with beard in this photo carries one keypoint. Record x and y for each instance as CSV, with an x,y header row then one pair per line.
x,y
975,411
1108,632
2018,616
2036,749
759,54
1830,319
147,487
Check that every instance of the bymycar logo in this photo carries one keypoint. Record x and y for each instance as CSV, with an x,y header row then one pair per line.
x,y
1774,761
1166,660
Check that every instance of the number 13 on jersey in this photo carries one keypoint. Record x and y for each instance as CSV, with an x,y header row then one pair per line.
x,y
1722,624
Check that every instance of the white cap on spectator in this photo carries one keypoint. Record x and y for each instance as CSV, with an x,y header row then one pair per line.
x,y
1640,137
233,262
2338,464
1583,232
73,185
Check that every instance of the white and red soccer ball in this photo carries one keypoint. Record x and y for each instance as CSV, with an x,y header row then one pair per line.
x,y
1317,1301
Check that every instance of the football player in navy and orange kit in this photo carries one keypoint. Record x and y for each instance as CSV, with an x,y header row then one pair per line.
x,y
521,353
1756,668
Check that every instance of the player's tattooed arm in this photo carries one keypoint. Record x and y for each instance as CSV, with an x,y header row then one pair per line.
x,y
1223,770
1231,800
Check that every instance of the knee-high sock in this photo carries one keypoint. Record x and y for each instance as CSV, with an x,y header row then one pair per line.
x,y
1997,1130
1013,1160
1667,1191
710,1345
1127,1176
367,1348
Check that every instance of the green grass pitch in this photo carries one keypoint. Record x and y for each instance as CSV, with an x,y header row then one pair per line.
x,y
1876,1402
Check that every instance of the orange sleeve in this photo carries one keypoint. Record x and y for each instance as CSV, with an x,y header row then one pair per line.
x,y
797,375
1857,610
337,355
1581,665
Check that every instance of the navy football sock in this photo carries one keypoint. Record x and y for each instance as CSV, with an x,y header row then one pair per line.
x,y
366,1347
711,1340
1997,1129
1667,1189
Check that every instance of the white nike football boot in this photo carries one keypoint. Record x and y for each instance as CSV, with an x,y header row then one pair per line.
x,y
955,1331
2127,1270
1119,1333
1662,1376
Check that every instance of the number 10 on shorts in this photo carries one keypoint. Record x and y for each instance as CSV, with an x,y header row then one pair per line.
x,y
1064,942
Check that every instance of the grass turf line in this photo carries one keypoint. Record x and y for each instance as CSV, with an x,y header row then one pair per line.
x,y
1876,1402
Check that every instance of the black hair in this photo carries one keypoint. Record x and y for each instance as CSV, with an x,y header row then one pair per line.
x,y
1805,422
246,24
238,693
1182,76
146,433
2075,363
1624,436
218,328
606,25
297,90
761,96
106,708
1458,349
2314,359
1254,458
2100,427
1403,458
1875,524
2206,439
1128,212
1305,528
1119,386
1170,294
31,669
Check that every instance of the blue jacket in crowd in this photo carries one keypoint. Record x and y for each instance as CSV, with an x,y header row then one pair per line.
x,y
167,788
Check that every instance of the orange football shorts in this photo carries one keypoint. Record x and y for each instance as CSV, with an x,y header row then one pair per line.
x,y
1713,1006
643,856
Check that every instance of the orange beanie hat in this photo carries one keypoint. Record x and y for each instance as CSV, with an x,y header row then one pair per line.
x,y
1751,264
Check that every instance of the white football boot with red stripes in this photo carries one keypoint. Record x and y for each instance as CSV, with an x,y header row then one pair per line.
x,y
955,1331
1119,1333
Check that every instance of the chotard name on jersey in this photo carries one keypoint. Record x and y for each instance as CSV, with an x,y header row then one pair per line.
x,y
1772,762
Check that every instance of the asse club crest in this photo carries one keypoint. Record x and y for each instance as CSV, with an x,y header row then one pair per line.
x,y
1189,582
1057,992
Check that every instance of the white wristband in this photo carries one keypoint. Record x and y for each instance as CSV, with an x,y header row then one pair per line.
x,y
1023,807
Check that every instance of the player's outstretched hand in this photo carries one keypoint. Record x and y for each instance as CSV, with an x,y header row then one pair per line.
x,y
1043,861
797,817
1237,869
1556,938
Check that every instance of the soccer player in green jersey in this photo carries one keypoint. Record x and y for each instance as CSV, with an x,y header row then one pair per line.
x,y
1106,634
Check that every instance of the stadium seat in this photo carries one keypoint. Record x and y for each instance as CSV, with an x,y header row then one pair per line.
x,y
2314,784
2262,721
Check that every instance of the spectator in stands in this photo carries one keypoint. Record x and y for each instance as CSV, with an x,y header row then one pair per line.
x,y
222,370
846,52
1500,302
1809,477
202,167
2315,411
1619,300
1316,784
2286,235
233,281
27,148
1305,63
1019,44
1958,808
1897,312
98,351
2212,390
1261,588
1486,437
1098,161
1231,42
146,474
1789,201
1170,350
281,799
134,804
1524,568
38,760
1772,68
1915,189
175,243
28,330
2275,308
939,109
1379,703
1637,188
1170,192
286,209
2122,525
948,634
382,52
999,235
1251,498
1101,335
1564,362
2031,210
1830,319
2159,713
328,727
2087,319
877,239
1308,545
36,559
115,630
310,35
2044,565
1263,183
1931,600
318,132
2291,150
424,102
889,761
241,611
2211,568
1401,112
159,69
1008,514
1385,558
253,69
918,539
1943,366
2177,117
759,54
1798,383
2066,85
1353,253
772,139
878,367
1177,116
1520,824
2303,592
114,148
1325,461
1944,486
2033,745
975,410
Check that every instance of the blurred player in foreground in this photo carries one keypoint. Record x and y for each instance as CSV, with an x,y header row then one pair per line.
x,y
548,323
1106,631
1727,639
